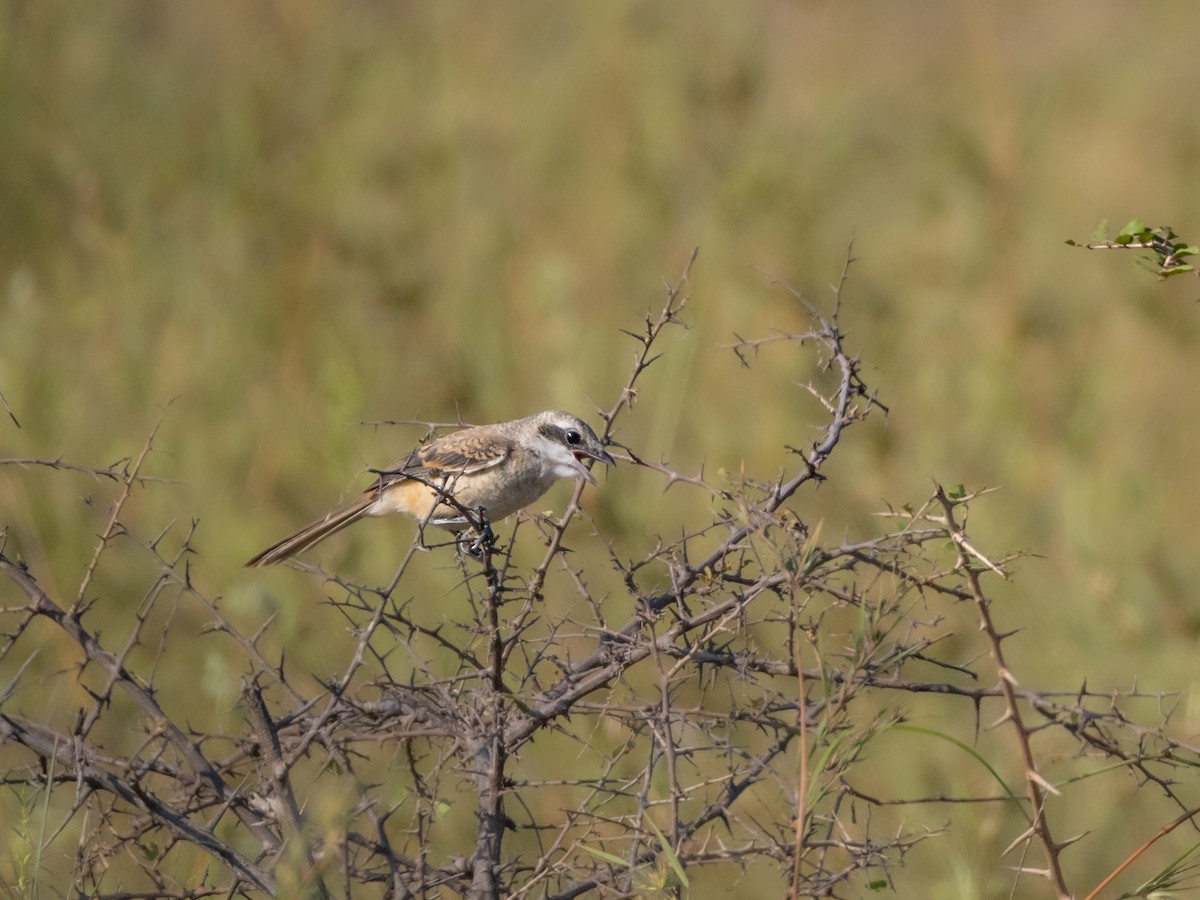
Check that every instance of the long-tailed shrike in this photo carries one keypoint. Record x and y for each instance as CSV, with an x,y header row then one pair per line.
x,y
488,472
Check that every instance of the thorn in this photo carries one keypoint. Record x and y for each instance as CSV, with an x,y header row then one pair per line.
x,y
1005,717
1029,870
1071,840
1033,776
1019,840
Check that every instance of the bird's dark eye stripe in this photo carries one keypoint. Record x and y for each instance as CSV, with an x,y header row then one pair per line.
x,y
572,437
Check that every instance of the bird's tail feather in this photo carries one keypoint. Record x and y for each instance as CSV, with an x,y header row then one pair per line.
x,y
312,534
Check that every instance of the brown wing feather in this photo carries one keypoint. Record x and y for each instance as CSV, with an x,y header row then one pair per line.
x,y
458,453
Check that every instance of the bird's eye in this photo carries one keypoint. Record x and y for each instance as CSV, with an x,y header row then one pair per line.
x,y
573,437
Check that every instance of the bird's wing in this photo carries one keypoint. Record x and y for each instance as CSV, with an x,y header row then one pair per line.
x,y
458,453
464,452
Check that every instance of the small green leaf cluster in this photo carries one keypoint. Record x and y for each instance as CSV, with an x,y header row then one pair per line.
x,y
1169,251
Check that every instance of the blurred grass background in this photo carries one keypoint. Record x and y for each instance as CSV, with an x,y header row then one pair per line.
x,y
268,223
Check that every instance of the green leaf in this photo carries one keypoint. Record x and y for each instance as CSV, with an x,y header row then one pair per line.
x,y
1133,227
916,729
672,859
45,817
607,857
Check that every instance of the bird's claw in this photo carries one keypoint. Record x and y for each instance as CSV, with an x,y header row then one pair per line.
x,y
476,543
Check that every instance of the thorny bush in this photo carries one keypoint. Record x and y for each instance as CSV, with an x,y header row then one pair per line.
x,y
715,720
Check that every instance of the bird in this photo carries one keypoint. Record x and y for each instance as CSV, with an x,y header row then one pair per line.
x,y
465,479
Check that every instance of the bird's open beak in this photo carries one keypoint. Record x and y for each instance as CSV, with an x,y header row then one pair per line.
x,y
598,455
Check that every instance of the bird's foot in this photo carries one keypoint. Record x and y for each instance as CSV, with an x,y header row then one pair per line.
x,y
476,543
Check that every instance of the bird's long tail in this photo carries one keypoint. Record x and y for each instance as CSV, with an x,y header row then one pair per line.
x,y
312,534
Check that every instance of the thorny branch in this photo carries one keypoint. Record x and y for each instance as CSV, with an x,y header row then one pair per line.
x,y
1037,786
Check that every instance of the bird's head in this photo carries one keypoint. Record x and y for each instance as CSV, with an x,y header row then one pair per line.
x,y
566,441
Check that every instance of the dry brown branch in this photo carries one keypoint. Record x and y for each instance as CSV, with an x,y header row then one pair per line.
x,y
1035,784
